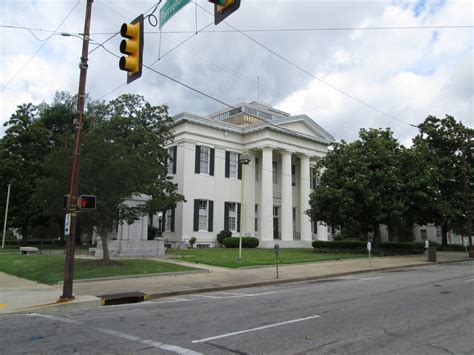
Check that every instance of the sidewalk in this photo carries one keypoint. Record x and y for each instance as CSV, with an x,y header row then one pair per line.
x,y
16,293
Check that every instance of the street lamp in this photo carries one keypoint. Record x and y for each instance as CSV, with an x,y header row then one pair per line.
x,y
244,160
160,227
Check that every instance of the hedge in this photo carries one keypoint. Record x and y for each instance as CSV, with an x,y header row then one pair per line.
x,y
358,246
247,242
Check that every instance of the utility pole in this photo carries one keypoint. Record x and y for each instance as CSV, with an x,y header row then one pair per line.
x,y
72,206
467,202
6,217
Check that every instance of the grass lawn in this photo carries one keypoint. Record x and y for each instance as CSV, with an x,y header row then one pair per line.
x,y
253,257
50,269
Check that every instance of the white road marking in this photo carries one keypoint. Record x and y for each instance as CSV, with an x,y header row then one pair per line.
x,y
58,319
255,329
470,280
155,344
370,278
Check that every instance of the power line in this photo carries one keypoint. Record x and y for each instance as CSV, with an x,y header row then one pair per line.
x,y
169,78
311,74
45,41
243,77
316,29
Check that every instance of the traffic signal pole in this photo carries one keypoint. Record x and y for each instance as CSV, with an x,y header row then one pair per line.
x,y
72,207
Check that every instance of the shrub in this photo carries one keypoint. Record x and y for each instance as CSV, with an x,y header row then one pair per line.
x,y
339,244
223,234
247,242
152,232
192,241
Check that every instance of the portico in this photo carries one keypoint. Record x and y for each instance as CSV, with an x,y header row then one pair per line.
x,y
266,198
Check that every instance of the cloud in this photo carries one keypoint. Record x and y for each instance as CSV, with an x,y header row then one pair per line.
x,y
407,74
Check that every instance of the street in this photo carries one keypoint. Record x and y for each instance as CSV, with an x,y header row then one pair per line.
x,y
418,310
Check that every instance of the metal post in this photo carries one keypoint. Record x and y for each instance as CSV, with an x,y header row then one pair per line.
x,y
74,185
6,217
243,161
241,212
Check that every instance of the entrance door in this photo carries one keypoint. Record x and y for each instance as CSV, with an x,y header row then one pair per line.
x,y
276,232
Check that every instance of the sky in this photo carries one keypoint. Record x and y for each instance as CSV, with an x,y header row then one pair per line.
x,y
314,57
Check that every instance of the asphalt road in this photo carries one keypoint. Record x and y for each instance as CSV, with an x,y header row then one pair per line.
x,y
420,310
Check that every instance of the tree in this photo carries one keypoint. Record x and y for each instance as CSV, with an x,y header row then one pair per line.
x,y
22,152
123,154
360,184
447,141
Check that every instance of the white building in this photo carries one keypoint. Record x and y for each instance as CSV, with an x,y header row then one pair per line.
x,y
276,184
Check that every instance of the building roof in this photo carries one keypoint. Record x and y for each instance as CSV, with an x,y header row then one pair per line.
x,y
241,119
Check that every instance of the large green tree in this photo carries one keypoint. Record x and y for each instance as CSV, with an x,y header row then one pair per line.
x,y
123,154
451,149
360,184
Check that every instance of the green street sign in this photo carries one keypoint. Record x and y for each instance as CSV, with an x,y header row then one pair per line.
x,y
170,8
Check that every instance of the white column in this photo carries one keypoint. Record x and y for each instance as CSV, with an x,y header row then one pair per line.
x,y
248,210
322,231
305,221
286,197
266,213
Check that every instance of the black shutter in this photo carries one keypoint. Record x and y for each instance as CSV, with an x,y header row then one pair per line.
x,y
172,218
227,164
198,160
196,215
163,222
211,216
239,168
238,217
226,216
175,156
211,163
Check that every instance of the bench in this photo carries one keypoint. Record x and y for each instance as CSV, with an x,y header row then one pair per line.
x,y
28,250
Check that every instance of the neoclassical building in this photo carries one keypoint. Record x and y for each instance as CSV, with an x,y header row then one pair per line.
x,y
269,194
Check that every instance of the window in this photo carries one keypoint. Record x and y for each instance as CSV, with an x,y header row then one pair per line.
x,y
312,178
294,219
275,211
203,215
424,234
204,160
256,218
172,160
232,217
232,165
168,220
293,175
274,169
257,169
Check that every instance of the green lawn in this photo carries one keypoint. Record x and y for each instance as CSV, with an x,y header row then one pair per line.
x,y
253,257
50,269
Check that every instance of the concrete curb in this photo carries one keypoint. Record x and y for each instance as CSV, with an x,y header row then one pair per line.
x,y
174,273
94,301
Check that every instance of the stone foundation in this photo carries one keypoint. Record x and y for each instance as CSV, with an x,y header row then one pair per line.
x,y
132,248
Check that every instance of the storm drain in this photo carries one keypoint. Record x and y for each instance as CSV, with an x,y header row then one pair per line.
x,y
123,298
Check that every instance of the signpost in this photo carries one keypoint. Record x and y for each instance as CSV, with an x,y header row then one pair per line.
x,y
369,249
277,251
170,8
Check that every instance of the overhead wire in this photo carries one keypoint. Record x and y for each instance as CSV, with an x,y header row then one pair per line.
x,y
372,107
45,41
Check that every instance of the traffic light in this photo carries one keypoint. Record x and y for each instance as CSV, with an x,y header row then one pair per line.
x,y
87,202
223,8
132,47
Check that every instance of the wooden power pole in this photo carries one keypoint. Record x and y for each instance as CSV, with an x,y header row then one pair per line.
x,y
72,204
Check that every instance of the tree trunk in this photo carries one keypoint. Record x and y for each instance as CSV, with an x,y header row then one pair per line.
x,y
376,238
105,247
444,234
